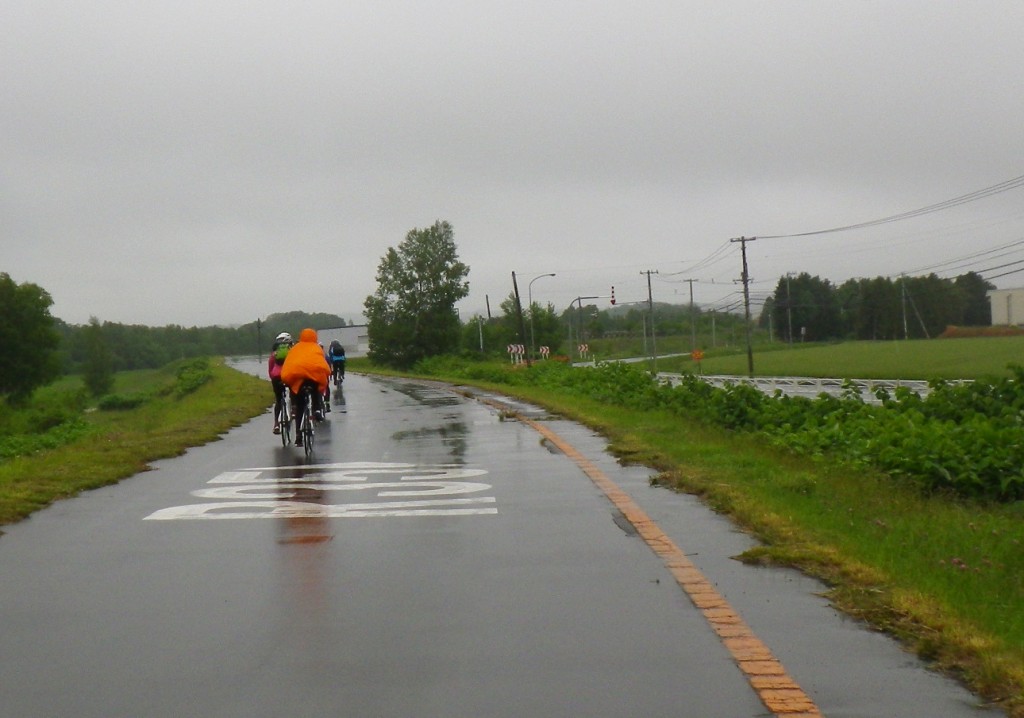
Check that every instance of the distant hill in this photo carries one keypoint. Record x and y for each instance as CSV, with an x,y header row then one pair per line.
x,y
293,323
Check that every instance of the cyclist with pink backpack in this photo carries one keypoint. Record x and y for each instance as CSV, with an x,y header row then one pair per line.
x,y
282,343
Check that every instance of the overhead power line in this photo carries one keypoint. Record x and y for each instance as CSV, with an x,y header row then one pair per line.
x,y
713,258
938,207
972,258
983,272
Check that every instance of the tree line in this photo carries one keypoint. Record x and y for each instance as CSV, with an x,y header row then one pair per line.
x,y
806,308
412,315
41,348
134,346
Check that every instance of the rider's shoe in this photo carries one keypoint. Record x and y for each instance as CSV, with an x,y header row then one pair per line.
x,y
318,415
277,428
328,408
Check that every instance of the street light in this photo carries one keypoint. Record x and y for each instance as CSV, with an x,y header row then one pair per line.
x,y
529,298
579,328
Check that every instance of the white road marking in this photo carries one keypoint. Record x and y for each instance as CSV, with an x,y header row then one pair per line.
x,y
303,474
303,509
266,491
270,492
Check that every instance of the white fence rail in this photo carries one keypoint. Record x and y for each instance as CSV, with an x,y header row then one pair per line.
x,y
812,387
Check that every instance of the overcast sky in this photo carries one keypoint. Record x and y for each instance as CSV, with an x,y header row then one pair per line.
x,y
212,162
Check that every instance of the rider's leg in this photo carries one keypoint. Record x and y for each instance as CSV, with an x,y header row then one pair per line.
x,y
318,401
296,399
279,389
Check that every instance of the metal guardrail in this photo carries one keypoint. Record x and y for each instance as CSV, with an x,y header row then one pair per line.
x,y
812,387
807,386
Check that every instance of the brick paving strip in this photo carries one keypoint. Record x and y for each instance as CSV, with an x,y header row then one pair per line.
x,y
779,693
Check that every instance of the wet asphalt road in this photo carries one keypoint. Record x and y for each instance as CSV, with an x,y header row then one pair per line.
x,y
431,559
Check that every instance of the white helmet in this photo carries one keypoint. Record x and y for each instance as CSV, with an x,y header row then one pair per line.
x,y
283,337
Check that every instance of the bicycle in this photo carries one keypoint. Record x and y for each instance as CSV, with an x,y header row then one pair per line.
x,y
284,418
339,374
306,432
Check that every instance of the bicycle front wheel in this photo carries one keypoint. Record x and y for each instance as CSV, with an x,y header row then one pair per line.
x,y
307,433
307,422
286,428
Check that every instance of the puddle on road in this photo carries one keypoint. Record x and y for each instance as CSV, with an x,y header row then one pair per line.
x,y
426,394
307,528
546,443
450,436
623,523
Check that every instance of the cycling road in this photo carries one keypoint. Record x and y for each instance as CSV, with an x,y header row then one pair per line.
x,y
436,557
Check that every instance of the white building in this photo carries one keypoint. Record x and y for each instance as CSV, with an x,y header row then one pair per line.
x,y
1007,307
355,339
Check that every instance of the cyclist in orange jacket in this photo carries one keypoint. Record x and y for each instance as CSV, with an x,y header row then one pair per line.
x,y
305,364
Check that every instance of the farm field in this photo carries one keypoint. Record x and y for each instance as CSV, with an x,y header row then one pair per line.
x,y
973,358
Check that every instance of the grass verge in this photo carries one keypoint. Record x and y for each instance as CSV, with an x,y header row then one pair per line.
x,y
943,576
177,411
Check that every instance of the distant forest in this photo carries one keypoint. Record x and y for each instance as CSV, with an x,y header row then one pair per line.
x,y
809,308
135,346
802,307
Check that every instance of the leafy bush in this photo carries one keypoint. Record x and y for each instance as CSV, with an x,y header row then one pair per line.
x,y
121,402
59,435
190,375
965,439
42,415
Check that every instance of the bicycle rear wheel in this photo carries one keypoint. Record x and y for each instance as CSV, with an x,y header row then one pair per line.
x,y
307,433
307,423
281,419
285,422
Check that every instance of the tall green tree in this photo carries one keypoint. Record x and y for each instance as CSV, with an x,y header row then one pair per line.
x,y
99,362
933,305
545,329
28,338
878,313
412,313
809,306
973,288
506,325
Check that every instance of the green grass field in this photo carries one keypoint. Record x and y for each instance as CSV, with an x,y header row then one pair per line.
x,y
113,445
972,358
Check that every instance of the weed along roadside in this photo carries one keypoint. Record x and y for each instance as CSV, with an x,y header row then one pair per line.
x,y
69,444
927,553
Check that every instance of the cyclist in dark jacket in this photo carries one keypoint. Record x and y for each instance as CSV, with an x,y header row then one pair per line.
x,y
336,353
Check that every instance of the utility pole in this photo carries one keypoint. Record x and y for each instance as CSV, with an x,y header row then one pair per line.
x,y
789,308
746,300
650,310
519,316
693,326
903,301
578,301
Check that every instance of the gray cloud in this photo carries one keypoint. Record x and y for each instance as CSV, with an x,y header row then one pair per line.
x,y
182,162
